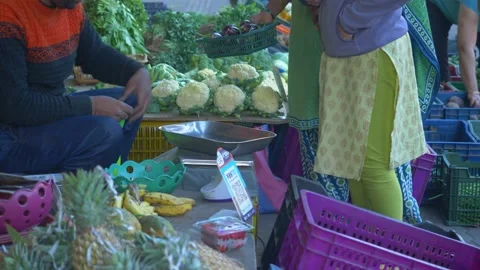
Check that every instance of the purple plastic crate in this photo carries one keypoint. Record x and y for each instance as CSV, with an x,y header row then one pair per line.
x,y
329,234
421,170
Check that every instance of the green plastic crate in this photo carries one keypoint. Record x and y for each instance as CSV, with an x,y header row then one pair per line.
x,y
474,127
460,86
461,191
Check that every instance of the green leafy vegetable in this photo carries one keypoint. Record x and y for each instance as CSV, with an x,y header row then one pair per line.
x,y
116,25
178,32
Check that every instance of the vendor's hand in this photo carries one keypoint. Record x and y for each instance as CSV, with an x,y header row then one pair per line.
x,y
108,106
262,17
313,3
343,34
474,98
140,85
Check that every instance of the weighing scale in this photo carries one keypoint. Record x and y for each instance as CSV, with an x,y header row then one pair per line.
x,y
197,144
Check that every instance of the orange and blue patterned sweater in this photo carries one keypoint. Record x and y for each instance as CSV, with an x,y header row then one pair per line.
x,y
39,46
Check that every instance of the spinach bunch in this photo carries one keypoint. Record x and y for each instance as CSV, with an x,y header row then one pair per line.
x,y
116,25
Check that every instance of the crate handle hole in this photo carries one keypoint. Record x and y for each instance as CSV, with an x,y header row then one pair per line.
x,y
129,169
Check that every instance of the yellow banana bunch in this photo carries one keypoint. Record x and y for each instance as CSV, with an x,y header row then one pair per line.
x,y
118,201
137,208
173,210
166,199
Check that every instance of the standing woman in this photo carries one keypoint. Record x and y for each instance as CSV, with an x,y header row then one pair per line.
x,y
304,93
443,14
370,120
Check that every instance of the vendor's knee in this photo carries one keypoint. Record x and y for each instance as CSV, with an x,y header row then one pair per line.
x,y
108,130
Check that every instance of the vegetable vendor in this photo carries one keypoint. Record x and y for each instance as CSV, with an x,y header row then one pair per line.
x,y
303,112
43,130
443,14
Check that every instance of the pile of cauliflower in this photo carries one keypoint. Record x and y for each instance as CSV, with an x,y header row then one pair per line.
x,y
242,88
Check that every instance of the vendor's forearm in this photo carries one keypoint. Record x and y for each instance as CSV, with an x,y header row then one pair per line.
x,y
276,6
468,69
103,62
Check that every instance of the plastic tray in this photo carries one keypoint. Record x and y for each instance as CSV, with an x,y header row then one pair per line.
x,y
421,171
154,176
451,136
328,234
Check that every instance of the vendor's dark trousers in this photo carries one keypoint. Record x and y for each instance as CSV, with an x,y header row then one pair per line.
x,y
80,142
440,26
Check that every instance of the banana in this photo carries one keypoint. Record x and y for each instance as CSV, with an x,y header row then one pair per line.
x,y
187,200
136,208
173,210
162,198
118,202
142,192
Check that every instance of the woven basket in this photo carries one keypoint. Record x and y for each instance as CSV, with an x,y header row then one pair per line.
x,y
87,79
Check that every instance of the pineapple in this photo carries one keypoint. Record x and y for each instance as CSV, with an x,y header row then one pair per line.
x,y
174,252
85,197
126,260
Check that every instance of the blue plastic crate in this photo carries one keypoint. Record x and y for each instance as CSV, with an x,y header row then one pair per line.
x,y
451,136
462,113
436,110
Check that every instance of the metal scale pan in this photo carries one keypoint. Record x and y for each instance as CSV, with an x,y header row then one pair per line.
x,y
207,136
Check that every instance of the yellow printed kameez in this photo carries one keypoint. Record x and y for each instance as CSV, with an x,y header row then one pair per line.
x,y
347,94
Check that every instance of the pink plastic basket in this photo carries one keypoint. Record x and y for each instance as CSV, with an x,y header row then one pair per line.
x,y
26,207
328,234
421,169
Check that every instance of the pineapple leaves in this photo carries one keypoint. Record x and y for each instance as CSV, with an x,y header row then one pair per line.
x,y
17,238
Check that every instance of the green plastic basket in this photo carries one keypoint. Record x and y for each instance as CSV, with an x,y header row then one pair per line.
x,y
474,127
243,44
461,191
150,175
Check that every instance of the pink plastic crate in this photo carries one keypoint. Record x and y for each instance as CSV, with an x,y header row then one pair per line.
x,y
421,170
328,234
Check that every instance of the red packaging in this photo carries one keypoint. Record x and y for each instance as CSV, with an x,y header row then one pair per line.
x,y
224,233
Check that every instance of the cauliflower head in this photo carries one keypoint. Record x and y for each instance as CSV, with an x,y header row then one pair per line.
x,y
206,73
244,76
165,88
213,83
194,98
229,99
242,72
164,94
266,101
